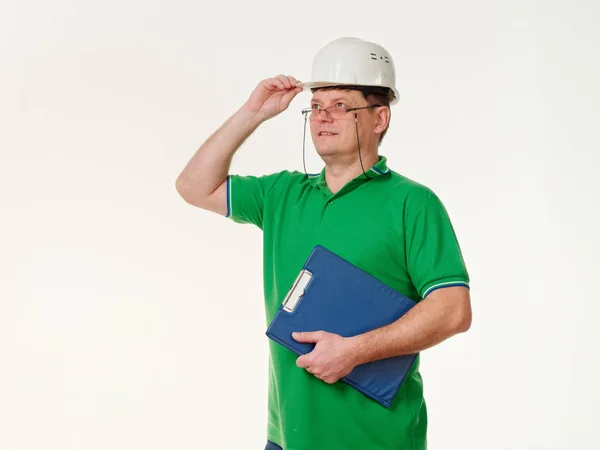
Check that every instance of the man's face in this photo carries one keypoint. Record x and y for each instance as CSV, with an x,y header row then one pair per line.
x,y
336,136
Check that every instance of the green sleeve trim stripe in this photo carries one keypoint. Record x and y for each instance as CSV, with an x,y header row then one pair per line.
x,y
228,196
445,284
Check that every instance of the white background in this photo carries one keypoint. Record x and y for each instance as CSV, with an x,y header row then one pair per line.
x,y
131,320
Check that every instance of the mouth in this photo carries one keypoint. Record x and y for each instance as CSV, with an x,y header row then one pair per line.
x,y
327,133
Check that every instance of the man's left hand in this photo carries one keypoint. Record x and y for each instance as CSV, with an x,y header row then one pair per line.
x,y
332,358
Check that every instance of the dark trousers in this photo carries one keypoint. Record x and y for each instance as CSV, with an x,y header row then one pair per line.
x,y
272,446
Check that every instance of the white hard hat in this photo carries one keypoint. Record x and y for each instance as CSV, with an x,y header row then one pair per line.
x,y
352,61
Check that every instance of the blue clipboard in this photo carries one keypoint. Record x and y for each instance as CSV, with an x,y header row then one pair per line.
x,y
333,295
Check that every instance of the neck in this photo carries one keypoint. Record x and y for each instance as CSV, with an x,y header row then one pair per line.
x,y
339,170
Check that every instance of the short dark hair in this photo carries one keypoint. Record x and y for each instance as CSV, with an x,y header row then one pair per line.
x,y
372,94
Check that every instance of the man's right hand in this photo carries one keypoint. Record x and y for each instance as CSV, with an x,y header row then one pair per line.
x,y
272,96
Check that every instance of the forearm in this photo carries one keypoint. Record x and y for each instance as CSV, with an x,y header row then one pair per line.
x,y
209,166
430,322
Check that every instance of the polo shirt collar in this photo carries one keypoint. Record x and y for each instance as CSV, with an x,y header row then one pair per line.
x,y
379,169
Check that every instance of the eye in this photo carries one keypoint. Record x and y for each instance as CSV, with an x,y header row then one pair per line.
x,y
315,106
340,105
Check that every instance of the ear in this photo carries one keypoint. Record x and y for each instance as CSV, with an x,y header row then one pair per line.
x,y
382,119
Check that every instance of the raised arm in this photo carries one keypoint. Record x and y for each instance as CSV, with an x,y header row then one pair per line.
x,y
202,182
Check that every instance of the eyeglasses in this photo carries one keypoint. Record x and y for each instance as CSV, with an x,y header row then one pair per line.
x,y
335,111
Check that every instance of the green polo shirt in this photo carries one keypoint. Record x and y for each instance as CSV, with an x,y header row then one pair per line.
x,y
391,227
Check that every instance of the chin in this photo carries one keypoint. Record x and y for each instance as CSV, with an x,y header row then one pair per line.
x,y
326,151
335,152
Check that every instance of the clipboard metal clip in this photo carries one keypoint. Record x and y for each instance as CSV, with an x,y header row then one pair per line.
x,y
297,290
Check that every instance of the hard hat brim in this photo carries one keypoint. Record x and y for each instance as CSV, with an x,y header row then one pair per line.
x,y
318,84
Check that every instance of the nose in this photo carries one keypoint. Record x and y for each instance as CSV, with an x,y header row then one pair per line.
x,y
324,116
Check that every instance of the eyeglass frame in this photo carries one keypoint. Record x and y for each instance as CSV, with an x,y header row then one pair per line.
x,y
346,110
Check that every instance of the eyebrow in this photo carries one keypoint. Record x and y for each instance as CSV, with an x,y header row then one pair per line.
x,y
346,99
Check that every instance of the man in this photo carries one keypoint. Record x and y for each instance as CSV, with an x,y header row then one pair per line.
x,y
393,228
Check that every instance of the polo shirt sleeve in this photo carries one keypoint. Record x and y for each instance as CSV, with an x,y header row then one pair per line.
x,y
247,195
433,254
